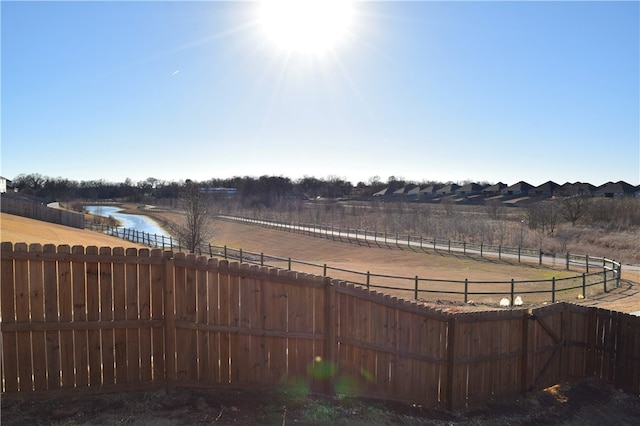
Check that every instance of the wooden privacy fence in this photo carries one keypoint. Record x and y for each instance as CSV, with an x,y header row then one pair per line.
x,y
78,320
27,208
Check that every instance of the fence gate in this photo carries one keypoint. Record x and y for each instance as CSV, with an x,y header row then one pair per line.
x,y
545,346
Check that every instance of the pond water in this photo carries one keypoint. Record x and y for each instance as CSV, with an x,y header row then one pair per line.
x,y
130,221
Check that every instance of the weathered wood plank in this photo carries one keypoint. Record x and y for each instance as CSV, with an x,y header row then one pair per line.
x,y
36,294
51,316
79,314
93,314
65,300
144,313
157,313
119,314
106,314
9,365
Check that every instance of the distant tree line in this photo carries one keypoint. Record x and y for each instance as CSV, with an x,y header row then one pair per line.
x,y
263,190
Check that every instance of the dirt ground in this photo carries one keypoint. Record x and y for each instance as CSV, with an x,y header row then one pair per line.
x,y
585,402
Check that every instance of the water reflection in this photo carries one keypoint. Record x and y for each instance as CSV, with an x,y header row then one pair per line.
x,y
129,221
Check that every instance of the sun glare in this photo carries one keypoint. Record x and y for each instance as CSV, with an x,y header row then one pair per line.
x,y
305,26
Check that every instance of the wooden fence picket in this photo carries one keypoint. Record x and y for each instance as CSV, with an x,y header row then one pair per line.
x,y
36,307
9,364
106,314
119,315
51,315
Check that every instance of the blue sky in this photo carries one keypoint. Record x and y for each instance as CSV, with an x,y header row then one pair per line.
x,y
449,91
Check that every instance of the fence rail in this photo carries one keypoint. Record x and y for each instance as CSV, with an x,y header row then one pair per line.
x,y
78,320
600,274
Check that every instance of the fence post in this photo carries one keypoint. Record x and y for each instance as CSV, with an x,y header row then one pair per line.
x,y
584,285
324,270
567,261
553,290
512,291
169,323
464,248
481,246
527,350
420,243
586,262
240,255
519,248
289,264
225,252
604,273
368,278
261,259
466,290
416,289
540,261
449,246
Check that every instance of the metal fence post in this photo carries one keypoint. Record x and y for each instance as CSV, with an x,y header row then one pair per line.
x,y
512,291
567,261
586,263
466,290
416,289
553,290
584,285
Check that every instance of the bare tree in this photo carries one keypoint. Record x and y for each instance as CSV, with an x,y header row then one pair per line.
x,y
573,206
196,228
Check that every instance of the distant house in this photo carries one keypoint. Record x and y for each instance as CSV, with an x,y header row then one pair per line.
x,y
4,184
494,189
227,192
429,190
414,192
449,189
383,192
547,189
405,190
520,188
470,189
615,190
578,188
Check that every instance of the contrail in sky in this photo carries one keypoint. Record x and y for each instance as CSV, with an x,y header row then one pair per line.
x,y
175,72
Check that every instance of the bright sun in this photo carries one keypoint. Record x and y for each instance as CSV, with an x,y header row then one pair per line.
x,y
305,26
